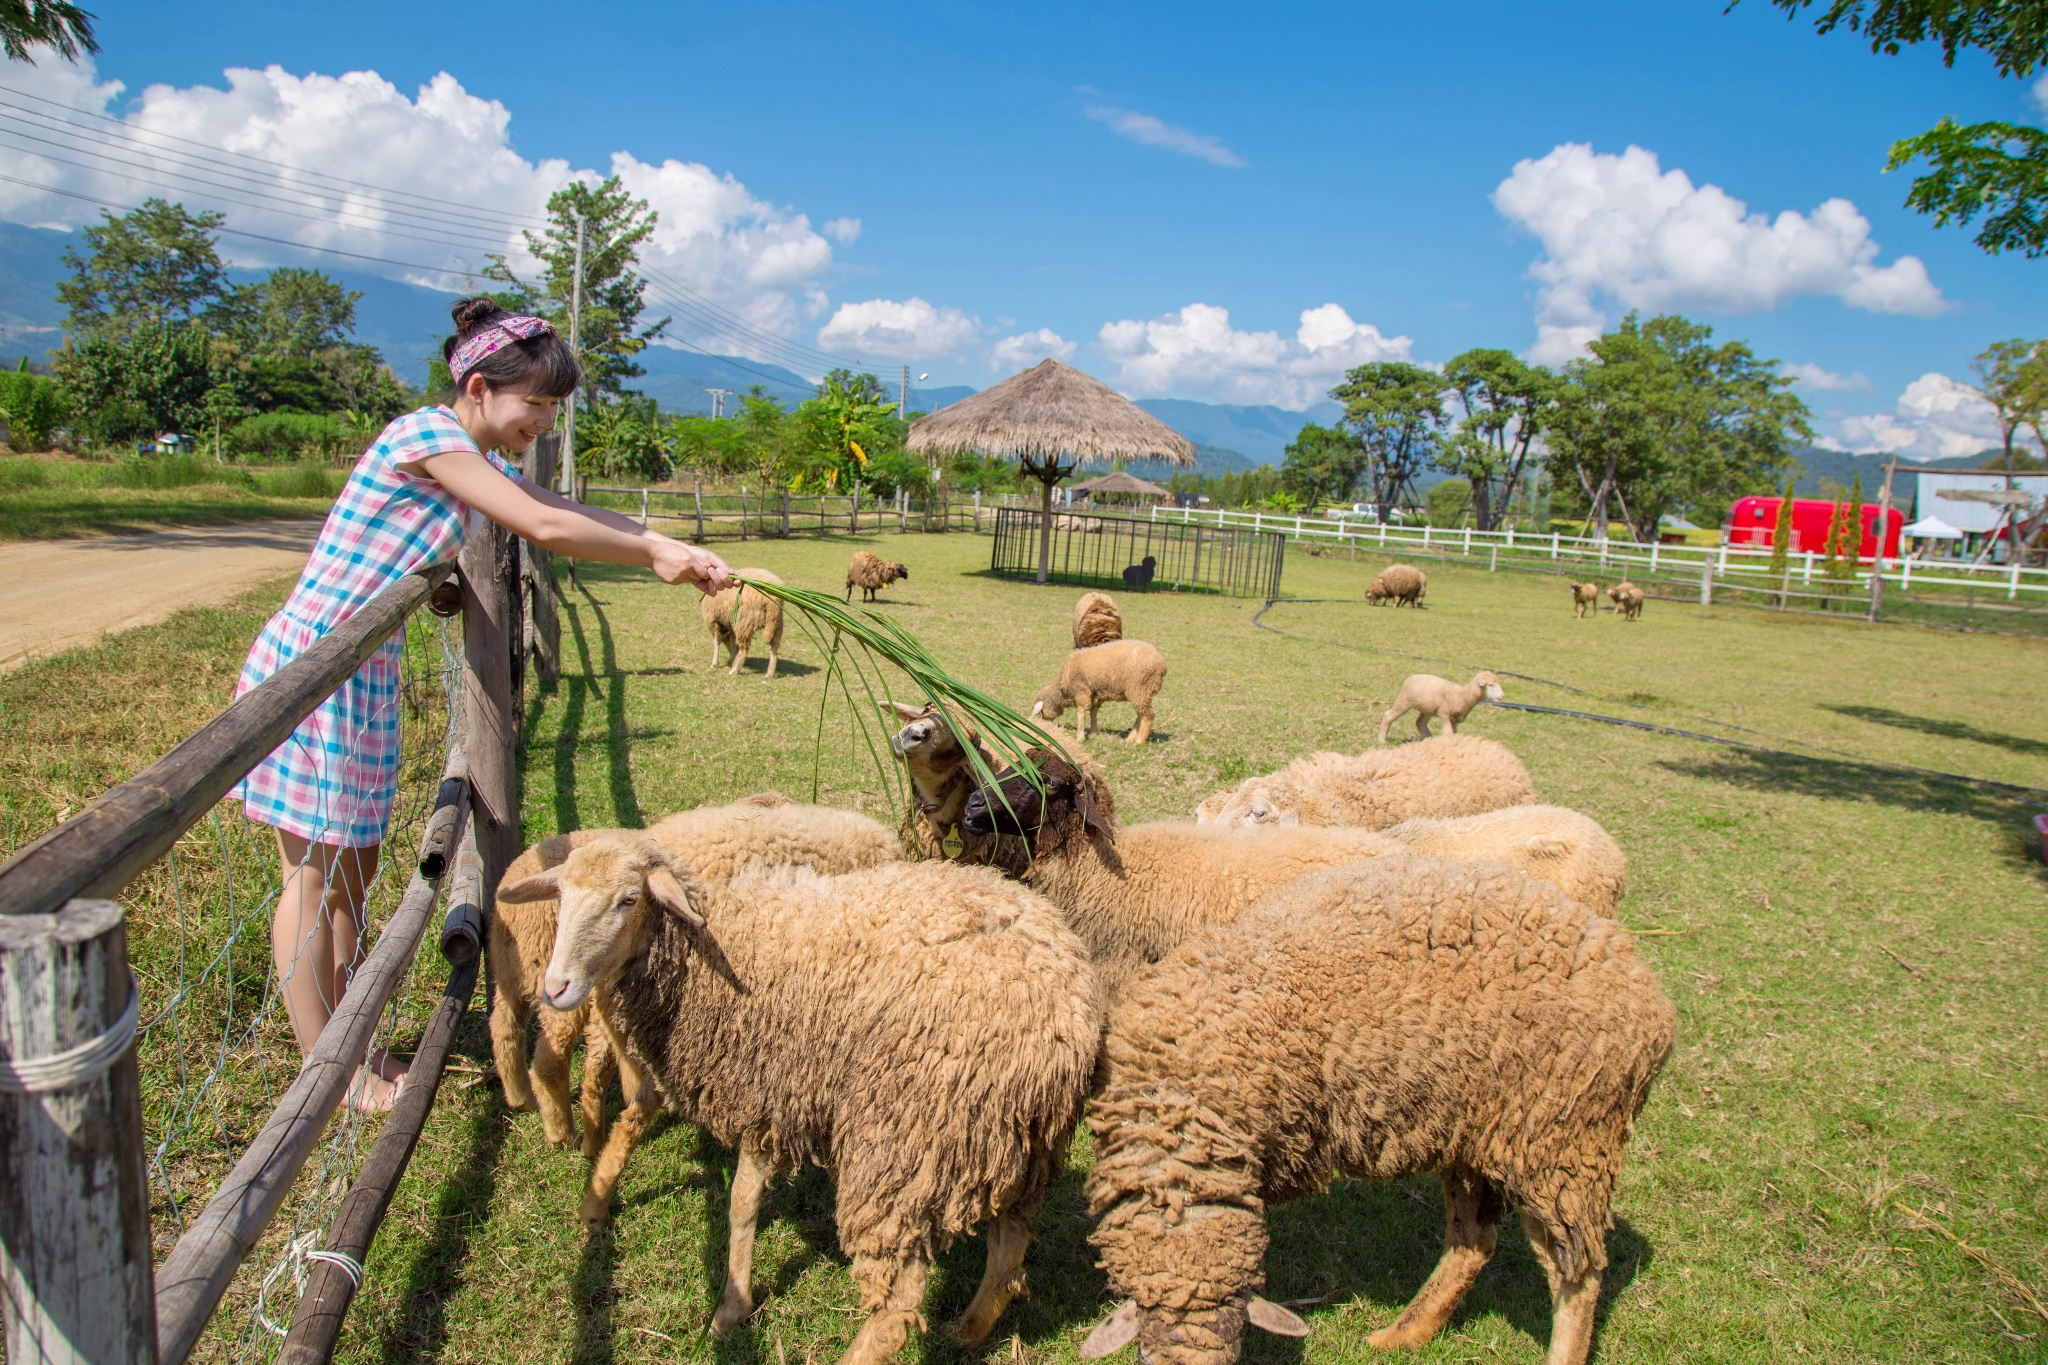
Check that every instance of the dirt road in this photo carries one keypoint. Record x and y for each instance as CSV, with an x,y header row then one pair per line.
x,y
59,593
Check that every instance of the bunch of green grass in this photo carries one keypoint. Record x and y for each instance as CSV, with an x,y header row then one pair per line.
x,y
307,480
176,471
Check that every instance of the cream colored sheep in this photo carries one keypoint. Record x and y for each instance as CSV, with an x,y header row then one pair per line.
x,y
736,626
1096,620
1428,695
1628,600
1585,598
1569,850
871,573
1122,670
1402,582
1439,778
924,1031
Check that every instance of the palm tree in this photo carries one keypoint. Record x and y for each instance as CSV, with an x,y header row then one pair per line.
x,y
55,23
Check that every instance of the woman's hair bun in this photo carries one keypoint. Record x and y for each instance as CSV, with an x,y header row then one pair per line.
x,y
471,314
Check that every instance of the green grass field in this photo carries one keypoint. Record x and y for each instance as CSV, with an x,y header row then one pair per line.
x,y
51,498
1844,1160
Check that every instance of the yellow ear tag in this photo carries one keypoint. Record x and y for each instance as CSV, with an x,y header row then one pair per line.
x,y
952,843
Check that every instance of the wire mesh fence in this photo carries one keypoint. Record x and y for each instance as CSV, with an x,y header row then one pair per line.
x,y
753,514
1136,554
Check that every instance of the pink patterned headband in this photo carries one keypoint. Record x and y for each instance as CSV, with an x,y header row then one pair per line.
x,y
495,337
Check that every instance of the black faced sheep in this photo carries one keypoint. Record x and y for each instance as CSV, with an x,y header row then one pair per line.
x,y
942,777
1139,575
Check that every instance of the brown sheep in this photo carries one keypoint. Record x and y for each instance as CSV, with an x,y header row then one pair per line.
x,y
1122,670
1585,598
1428,695
1373,1022
924,1031
871,573
1096,620
1628,600
1402,582
756,614
942,777
1439,778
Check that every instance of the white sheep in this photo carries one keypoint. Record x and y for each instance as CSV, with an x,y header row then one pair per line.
x,y
1428,695
1439,778
737,614
1122,670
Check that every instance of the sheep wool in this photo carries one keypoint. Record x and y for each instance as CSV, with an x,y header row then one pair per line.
x,y
1401,582
1371,1022
736,616
1569,850
871,573
1438,778
1122,670
1096,620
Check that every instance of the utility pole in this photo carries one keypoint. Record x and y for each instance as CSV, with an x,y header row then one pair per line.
x,y
575,349
1884,519
718,397
903,395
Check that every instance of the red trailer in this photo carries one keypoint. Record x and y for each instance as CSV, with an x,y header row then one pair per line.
x,y
1754,521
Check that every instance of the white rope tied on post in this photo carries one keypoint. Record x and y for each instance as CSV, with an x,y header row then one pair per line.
x,y
74,1066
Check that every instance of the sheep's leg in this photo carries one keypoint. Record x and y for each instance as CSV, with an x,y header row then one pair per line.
x,y
599,1066
559,1031
510,1011
739,656
1451,719
1422,724
1143,730
774,653
1471,1212
749,1181
1573,1301
643,1102
1008,1237
1388,719
893,1293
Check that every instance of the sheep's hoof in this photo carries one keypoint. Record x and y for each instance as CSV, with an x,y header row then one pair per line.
x,y
733,1310
595,1211
593,1143
1395,1339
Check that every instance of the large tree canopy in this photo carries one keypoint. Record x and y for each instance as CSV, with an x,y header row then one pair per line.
x,y
1396,410
56,24
148,268
1505,402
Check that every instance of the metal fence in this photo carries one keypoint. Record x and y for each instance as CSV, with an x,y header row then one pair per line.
x,y
1136,553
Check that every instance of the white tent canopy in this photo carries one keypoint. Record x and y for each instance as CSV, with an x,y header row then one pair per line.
x,y
1931,528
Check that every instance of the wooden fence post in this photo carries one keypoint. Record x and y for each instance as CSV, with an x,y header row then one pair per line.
x,y
697,496
490,710
76,1267
543,624
785,514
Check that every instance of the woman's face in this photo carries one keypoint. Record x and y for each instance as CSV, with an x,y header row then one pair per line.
x,y
510,418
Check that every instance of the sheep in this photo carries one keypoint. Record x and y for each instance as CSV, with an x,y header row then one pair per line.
x,y
1096,620
1585,598
720,842
1134,894
1372,1022
1402,582
1428,695
757,614
1139,575
1122,670
924,1031
1628,600
942,777
871,573
1439,778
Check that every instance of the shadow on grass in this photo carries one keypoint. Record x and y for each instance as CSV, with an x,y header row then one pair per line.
x,y
595,1294
576,689
1946,729
1839,780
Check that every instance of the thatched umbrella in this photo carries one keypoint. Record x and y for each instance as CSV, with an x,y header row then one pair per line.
x,y
1053,418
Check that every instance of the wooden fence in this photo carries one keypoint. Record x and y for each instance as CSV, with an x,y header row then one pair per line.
x,y
697,515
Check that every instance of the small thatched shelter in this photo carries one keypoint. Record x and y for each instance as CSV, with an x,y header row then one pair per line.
x,y
1053,418
1121,486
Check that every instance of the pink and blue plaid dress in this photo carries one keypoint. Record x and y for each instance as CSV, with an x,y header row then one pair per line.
x,y
333,780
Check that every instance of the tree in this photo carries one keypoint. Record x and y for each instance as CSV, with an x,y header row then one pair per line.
x,y
1323,464
292,314
56,24
33,405
834,438
1998,169
622,439
1505,401
1396,411
154,379
153,267
2013,378
1450,502
1781,534
614,296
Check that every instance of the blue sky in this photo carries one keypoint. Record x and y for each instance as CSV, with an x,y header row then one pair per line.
x,y
1068,179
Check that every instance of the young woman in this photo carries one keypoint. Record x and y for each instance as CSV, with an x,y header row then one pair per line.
x,y
427,482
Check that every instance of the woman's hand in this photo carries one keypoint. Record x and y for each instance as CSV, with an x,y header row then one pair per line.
x,y
675,562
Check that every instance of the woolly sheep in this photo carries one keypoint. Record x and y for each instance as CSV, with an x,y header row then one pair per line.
x,y
1439,778
1628,600
941,779
1585,598
924,1031
720,842
1428,695
871,573
757,615
1402,582
1569,850
1122,670
1096,620
1372,1022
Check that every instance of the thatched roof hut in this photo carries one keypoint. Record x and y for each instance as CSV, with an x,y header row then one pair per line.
x,y
1120,486
1053,418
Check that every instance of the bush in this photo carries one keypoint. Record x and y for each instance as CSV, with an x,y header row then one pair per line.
x,y
288,436
34,405
1450,502
174,471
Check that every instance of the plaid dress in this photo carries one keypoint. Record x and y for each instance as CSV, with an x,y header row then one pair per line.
x,y
333,780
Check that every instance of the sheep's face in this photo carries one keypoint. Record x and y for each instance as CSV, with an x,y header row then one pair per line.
x,y
1253,806
925,736
1015,805
1489,686
1049,703
1193,1278
607,890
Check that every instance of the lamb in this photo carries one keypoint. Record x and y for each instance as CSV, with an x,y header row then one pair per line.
x,y
1428,695
1372,1022
1096,620
942,777
1402,582
1122,670
924,1031
871,573
720,842
1439,778
757,614
1628,600
1585,598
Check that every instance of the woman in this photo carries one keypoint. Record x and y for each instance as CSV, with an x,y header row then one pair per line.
x,y
428,481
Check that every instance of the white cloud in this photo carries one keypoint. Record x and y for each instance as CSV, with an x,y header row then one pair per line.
x,y
1621,230
1810,376
885,329
2039,91
845,231
1028,348
753,258
1935,418
1196,353
1155,132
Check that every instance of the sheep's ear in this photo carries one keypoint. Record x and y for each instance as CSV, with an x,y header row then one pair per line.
x,y
1268,1316
541,886
1091,817
1115,1333
669,894
904,710
1037,708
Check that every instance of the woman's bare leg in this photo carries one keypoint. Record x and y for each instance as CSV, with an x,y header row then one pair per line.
x,y
316,944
